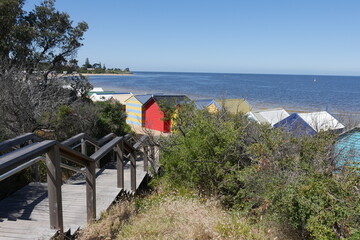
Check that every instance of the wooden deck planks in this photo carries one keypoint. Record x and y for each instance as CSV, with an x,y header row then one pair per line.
x,y
25,214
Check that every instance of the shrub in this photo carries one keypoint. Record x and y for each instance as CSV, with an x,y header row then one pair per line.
x,y
264,171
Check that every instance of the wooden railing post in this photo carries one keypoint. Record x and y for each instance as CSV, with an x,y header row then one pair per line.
x,y
119,148
54,188
83,147
91,191
152,153
35,168
133,171
97,164
145,155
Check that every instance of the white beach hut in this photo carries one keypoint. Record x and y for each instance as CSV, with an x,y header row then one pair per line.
x,y
101,97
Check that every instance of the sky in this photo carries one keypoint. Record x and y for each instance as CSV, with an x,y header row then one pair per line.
x,y
228,36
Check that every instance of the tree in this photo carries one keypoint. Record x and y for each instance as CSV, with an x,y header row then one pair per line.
x,y
31,46
42,39
87,63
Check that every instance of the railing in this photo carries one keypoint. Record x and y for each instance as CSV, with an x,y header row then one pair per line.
x,y
28,149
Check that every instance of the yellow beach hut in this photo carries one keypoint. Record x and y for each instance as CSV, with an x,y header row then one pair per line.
x,y
235,106
211,105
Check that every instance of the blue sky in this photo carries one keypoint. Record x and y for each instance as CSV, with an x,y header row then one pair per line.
x,y
235,36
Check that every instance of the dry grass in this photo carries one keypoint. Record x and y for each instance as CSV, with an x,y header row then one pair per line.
x,y
165,215
187,218
110,223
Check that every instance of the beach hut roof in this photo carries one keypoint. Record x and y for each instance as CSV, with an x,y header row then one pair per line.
x,y
270,116
310,123
170,100
204,103
143,98
321,121
235,105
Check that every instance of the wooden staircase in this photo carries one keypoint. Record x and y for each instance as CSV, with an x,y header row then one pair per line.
x,y
30,213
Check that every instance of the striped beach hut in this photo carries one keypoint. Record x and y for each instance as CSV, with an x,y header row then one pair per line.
x,y
210,104
310,123
134,109
235,106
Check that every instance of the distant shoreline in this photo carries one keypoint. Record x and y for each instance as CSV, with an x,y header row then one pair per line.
x,y
257,104
107,74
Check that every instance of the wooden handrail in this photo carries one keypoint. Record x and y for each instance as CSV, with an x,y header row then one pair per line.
x,y
16,158
75,156
139,143
106,148
5,145
108,137
72,140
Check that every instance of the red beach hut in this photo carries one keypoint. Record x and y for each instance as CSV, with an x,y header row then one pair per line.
x,y
156,117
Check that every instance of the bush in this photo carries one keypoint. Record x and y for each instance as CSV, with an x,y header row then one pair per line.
x,y
264,171
97,119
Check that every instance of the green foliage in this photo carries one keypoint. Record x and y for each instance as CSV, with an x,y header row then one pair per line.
x,y
208,142
264,171
111,118
319,204
97,120
39,40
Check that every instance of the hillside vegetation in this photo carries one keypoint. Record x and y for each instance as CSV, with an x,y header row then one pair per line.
x,y
264,184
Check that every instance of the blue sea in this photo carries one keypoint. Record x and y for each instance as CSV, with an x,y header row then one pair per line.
x,y
336,94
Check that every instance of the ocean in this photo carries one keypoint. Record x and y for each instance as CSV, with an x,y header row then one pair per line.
x,y
336,94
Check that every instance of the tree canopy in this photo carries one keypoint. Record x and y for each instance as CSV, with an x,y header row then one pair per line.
x,y
40,39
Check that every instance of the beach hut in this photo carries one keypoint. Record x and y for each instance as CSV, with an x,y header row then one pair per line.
x,y
234,106
97,97
89,94
134,109
97,89
156,111
347,146
268,116
210,104
120,97
310,123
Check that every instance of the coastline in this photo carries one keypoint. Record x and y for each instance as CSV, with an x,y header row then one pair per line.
x,y
107,74
254,104
257,105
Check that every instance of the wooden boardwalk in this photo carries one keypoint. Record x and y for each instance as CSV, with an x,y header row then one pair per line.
x,y
25,214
